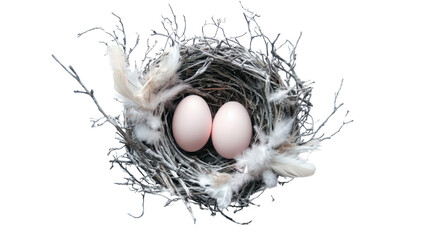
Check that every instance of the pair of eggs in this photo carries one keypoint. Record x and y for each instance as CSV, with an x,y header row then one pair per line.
x,y
230,130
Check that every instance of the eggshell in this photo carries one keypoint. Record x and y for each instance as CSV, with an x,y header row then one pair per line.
x,y
232,130
192,123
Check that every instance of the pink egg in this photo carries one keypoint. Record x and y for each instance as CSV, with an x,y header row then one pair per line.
x,y
232,130
192,123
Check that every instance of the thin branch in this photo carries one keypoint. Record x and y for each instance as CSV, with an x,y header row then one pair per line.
x,y
132,48
335,109
232,220
142,213
90,93
122,30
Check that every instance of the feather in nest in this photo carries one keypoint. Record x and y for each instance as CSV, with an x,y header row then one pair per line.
x,y
141,99
222,186
160,82
270,154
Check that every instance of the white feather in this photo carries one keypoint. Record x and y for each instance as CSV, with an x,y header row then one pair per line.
x,y
305,148
146,134
205,180
278,96
280,133
134,81
238,180
269,178
158,76
261,159
291,166
146,125
119,67
221,192
157,85
257,158
165,70
153,122
164,96
254,158
222,186
263,138
146,117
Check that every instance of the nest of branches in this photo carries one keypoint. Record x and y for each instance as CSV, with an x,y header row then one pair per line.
x,y
219,69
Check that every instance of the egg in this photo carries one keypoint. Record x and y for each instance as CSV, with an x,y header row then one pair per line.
x,y
232,130
192,123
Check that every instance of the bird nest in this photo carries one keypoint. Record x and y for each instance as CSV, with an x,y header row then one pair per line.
x,y
219,69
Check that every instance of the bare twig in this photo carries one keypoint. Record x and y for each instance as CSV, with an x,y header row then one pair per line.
x,y
232,220
334,110
142,213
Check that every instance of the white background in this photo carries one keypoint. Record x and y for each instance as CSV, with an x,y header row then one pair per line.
x,y
371,182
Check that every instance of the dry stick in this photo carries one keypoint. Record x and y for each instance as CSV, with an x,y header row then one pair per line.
x,y
122,30
73,73
132,48
141,215
90,93
322,138
232,220
135,145
125,136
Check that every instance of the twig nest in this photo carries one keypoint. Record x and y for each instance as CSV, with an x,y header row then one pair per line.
x,y
277,126
221,73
